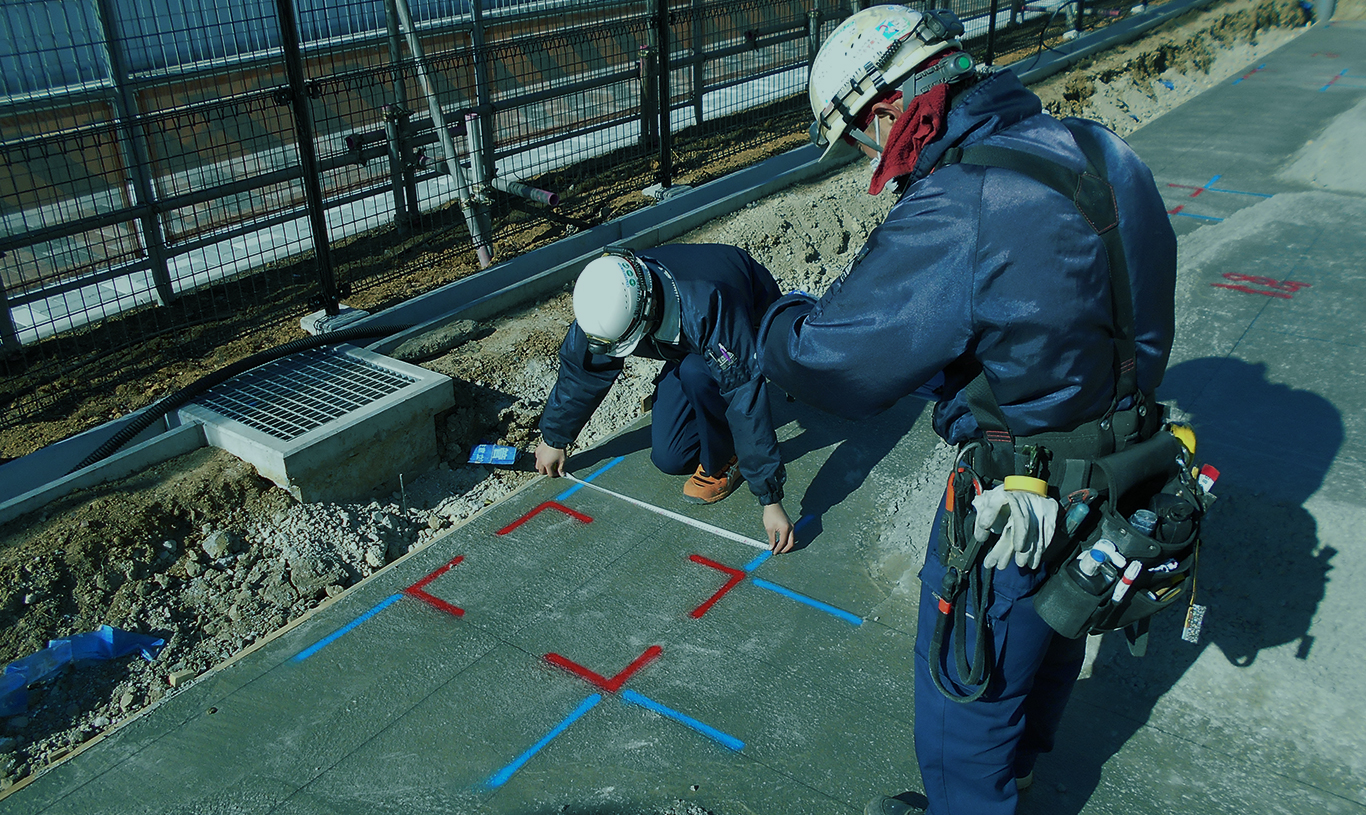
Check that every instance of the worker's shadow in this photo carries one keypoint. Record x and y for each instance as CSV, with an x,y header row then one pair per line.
x,y
861,446
1261,573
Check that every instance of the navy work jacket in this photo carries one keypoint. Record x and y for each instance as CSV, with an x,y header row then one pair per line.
x,y
984,268
723,293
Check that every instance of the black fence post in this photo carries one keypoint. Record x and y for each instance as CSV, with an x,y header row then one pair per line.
x,y
813,35
665,41
308,155
991,35
1080,22
133,148
699,57
649,92
10,346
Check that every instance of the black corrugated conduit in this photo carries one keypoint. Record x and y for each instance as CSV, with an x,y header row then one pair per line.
x,y
172,401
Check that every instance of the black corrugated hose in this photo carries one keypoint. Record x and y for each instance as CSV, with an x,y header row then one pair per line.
x,y
172,401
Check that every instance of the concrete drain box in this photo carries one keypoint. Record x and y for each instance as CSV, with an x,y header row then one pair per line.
x,y
328,424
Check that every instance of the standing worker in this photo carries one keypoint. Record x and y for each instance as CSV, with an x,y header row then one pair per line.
x,y
696,307
1025,282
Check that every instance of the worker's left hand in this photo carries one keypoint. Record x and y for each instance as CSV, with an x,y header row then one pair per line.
x,y
1025,521
781,534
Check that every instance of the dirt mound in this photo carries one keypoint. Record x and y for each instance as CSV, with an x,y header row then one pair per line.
x,y
1125,87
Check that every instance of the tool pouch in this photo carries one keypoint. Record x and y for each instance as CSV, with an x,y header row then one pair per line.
x,y
1155,475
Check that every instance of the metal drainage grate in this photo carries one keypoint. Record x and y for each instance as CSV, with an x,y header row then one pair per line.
x,y
291,396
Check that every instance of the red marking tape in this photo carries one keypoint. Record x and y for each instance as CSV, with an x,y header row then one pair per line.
x,y
417,590
556,505
610,685
1283,289
1250,290
736,575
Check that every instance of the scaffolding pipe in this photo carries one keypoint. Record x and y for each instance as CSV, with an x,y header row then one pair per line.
x,y
470,208
530,193
474,140
395,129
134,150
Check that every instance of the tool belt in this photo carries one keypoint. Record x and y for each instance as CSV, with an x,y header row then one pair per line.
x,y
1097,498
1100,472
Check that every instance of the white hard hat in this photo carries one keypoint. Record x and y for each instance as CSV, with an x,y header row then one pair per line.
x,y
612,299
871,53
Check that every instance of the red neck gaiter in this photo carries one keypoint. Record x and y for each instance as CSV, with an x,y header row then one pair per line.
x,y
922,123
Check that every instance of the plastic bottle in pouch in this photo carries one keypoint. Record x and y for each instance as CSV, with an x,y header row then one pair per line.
x,y
1144,520
1089,571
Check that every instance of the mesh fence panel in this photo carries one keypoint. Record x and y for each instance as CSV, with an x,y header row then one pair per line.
x,y
156,214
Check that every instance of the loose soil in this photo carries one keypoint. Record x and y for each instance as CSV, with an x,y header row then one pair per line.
x,y
203,553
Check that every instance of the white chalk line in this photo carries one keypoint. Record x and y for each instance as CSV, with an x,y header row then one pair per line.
x,y
693,522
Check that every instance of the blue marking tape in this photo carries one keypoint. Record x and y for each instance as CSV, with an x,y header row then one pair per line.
x,y
501,777
604,468
758,561
707,730
1238,192
802,598
1331,81
1193,215
335,635
803,521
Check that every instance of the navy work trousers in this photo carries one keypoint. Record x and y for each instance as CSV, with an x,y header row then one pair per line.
x,y
970,754
689,422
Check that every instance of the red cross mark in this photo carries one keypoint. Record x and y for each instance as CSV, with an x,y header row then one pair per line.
x,y
736,575
1284,289
610,685
555,505
418,590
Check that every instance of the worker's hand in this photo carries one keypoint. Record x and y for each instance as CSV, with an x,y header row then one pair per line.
x,y
781,534
549,460
1024,521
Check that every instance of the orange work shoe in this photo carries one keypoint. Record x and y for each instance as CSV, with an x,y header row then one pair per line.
x,y
708,489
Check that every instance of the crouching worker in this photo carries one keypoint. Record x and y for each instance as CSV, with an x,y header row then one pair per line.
x,y
696,307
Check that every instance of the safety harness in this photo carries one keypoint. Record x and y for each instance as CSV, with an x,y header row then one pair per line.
x,y
1067,461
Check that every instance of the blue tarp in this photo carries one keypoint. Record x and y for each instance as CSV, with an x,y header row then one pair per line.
x,y
104,642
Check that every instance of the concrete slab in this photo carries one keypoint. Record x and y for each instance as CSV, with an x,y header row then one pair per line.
x,y
690,668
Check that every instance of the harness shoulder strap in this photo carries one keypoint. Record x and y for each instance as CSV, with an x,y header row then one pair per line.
x,y
1093,196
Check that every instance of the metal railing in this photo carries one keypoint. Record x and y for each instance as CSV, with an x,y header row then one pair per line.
x,y
190,170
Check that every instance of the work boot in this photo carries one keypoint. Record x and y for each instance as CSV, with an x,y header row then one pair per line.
x,y
1024,782
903,804
708,489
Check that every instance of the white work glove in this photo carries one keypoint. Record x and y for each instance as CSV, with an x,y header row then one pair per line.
x,y
1025,521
